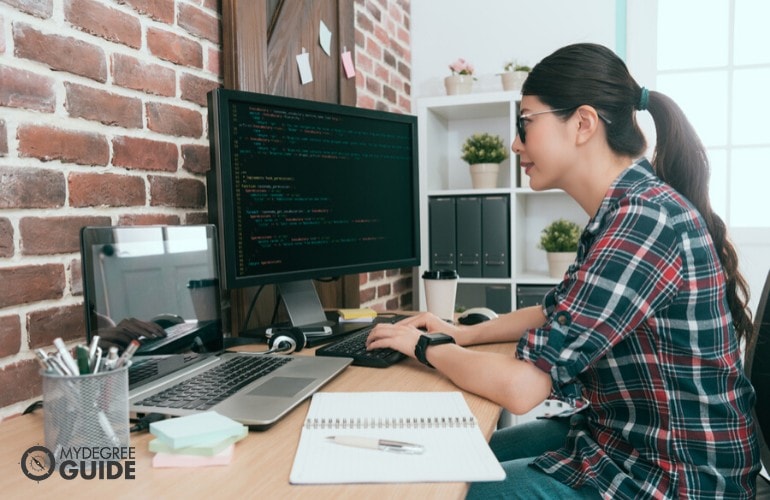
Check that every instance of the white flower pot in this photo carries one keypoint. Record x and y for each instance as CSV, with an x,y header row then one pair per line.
x,y
458,84
484,175
513,80
558,262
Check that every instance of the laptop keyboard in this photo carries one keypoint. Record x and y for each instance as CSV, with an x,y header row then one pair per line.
x,y
354,346
213,386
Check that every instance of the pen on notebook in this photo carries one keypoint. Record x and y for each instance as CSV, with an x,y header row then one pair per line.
x,y
377,444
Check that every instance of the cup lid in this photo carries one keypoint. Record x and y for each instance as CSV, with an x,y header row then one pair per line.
x,y
440,274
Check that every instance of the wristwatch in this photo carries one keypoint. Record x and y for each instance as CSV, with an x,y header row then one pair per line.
x,y
427,340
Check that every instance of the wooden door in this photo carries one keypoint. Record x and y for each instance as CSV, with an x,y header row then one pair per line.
x,y
261,39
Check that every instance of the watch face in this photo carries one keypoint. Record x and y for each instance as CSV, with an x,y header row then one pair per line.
x,y
439,338
37,463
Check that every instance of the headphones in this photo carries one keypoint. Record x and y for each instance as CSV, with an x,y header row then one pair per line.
x,y
286,340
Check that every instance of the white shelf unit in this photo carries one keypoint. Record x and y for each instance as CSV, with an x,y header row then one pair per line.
x,y
444,123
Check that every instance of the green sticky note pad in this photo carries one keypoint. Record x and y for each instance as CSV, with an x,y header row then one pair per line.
x,y
196,430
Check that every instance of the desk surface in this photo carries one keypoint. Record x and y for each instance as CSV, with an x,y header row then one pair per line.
x,y
262,461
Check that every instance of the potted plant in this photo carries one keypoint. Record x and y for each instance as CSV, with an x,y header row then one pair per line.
x,y
514,75
484,152
560,241
461,79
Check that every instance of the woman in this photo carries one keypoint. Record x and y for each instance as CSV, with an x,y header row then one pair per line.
x,y
642,336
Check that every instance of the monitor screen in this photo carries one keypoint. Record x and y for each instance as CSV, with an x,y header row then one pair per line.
x,y
304,189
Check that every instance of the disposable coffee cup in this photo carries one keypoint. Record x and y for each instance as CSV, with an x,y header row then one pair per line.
x,y
440,292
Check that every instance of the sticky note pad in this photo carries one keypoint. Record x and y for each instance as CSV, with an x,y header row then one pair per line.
x,y
201,449
174,460
195,429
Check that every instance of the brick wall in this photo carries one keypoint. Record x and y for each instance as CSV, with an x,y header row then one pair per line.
x,y
103,121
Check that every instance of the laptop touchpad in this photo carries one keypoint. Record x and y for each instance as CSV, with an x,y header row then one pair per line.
x,y
282,387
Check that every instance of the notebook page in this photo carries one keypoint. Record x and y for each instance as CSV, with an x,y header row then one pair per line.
x,y
455,448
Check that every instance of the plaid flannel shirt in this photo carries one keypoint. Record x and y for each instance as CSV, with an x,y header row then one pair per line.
x,y
650,356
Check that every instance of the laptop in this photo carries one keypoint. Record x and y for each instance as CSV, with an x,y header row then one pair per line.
x,y
168,276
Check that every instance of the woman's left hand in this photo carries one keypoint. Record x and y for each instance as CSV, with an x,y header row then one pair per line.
x,y
398,337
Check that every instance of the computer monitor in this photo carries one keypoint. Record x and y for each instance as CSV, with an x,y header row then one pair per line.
x,y
303,190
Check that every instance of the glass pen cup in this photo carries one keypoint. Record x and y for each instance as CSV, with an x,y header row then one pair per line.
x,y
86,414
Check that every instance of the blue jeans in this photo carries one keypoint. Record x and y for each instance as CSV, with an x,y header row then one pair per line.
x,y
516,447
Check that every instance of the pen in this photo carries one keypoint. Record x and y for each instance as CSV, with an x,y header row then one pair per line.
x,y
377,444
112,358
92,349
83,363
66,358
127,354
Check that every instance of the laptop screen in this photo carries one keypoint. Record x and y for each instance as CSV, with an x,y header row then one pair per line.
x,y
158,284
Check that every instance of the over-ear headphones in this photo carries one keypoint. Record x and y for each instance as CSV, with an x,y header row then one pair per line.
x,y
287,340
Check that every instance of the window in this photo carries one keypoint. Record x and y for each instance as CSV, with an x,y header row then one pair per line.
x,y
712,59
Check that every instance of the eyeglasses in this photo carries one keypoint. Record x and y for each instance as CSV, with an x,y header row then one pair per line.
x,y
521,120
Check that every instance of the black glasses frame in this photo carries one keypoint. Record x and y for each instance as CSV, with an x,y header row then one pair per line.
x,y
522,132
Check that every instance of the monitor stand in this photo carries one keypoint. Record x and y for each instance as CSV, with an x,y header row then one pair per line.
x,y
303,304
305,311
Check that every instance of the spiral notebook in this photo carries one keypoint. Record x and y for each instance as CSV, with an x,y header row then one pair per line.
x,y
454,449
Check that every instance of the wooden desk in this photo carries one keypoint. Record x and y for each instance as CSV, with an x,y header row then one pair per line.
x,y
262,461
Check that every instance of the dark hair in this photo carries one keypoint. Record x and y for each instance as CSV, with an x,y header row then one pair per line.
x,y
592,74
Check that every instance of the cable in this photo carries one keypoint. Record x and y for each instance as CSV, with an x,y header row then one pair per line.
x,y
144,423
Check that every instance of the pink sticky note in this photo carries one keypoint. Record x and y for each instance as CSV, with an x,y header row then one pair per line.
x,y
347,63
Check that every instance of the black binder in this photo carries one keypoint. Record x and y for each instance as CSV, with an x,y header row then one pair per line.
x,y
495,232
469,236
443,235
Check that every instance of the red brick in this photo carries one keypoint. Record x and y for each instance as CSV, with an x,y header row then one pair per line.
x,y
196,159
144,154
76,277
131,73
105,190
159,10
148,220
104,107
20,381
97,19
25,284
54,235
38,8
176,192
174,120
31,188
194,89
10,335
197,218
214,64
6,238
61,53
24,89
3,138
67,322
70,146
199,23
174,48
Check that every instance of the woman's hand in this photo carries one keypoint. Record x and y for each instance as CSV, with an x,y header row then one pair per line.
x,y
127,330
403,336
398,336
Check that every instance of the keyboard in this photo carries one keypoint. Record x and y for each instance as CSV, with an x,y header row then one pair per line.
x,y
354,346
213,386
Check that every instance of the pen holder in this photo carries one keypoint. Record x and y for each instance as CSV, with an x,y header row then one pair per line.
x,y
84,413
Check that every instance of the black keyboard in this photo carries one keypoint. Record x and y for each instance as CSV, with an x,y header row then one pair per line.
x,y
213,386
354,346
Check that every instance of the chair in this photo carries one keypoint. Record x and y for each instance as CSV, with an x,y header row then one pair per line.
x,y
758,372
